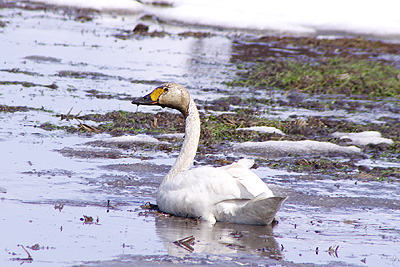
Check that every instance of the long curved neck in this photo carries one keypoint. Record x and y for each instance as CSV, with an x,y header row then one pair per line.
x,y
189,146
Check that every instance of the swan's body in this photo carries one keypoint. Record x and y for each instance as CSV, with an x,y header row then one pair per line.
x,y
231,193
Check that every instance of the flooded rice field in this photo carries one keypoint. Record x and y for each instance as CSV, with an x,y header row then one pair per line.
x,y
73,194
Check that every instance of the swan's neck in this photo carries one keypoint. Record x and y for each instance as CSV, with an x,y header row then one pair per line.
x,y
189,146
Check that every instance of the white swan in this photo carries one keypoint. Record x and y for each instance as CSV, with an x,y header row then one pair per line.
x,y
231,193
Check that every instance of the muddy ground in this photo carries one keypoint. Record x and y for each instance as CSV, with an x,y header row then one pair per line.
x,y
70,197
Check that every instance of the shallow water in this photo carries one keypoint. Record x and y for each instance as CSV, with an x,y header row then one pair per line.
x,y
50,179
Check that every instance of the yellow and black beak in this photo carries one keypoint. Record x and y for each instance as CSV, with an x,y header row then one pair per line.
x,y
150,99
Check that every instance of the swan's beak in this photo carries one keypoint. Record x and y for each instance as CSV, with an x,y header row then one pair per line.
x,y
150,99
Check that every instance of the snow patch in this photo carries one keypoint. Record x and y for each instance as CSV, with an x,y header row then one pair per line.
x,y
378,163
357,17
262,129
172,136
305,147
133,139
364,138
291,16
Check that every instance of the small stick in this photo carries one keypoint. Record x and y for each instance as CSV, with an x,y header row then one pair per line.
x,y
29,255
186,243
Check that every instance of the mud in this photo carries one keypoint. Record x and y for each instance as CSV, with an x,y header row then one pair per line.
x,y
70,197
313,48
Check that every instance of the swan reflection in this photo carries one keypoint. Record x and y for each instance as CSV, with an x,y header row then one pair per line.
x,y
184,236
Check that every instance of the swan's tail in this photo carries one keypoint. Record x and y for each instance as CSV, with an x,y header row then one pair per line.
x,y
261,209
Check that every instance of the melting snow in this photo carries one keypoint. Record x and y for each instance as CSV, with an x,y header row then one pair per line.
x,y
291,16
133,139
378,163
173,135
262,129
305,147
379,18
364,138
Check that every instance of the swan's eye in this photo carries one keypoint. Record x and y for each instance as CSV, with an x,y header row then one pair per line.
x,y
166,89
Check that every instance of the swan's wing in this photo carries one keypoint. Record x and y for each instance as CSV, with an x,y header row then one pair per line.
x,y
212,183
246,178
235,181
195,192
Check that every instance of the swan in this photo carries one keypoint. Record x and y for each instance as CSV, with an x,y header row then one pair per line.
x,y
230,193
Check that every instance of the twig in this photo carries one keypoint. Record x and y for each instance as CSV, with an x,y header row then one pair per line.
x,y
29,255
81,125
186,243
29,258
333,251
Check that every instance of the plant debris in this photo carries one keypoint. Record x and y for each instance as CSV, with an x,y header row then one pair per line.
x,y
59,206
186,243
333,251
219,131
23,260
89,220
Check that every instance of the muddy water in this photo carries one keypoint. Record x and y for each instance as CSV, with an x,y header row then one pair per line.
x,y
52,182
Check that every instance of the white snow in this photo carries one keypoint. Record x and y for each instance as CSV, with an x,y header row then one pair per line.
x,y
305,147
300,17
364,138
378,163
172,135
291,16
262,129
141,138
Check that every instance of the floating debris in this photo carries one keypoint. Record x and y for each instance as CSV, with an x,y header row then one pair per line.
x,y
333,251
109,206
186,243
237,234
149,206
89,220
27,259
59,206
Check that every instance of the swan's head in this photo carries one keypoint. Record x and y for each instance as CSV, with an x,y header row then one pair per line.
x,y
170,95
